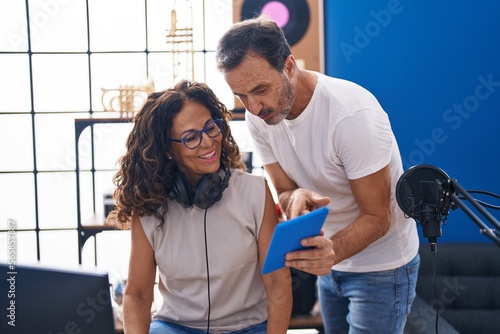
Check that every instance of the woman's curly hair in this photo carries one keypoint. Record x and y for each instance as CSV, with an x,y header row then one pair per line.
x,y
146,175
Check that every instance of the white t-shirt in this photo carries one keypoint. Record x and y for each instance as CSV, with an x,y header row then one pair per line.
x,y
342,134
238,297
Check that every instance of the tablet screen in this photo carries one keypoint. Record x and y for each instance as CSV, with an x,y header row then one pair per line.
x,y
287,236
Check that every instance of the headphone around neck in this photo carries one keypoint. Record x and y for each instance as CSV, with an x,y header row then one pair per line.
x,y
206,192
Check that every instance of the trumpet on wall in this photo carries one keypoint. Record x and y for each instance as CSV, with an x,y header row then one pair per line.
x,y
126,100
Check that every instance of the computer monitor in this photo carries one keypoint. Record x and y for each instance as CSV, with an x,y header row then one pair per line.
x,y
43,300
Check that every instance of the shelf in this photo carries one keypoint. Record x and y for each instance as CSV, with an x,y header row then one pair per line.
x,y
95,224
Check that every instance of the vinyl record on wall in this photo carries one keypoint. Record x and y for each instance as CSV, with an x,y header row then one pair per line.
x,y
303,17
291,15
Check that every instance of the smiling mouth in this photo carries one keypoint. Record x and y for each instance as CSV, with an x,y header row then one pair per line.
x,y
208,156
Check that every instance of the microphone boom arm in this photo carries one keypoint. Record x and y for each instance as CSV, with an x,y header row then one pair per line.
x,y
484,229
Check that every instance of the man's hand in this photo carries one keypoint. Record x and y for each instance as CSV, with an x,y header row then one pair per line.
x,y
318,260
303,201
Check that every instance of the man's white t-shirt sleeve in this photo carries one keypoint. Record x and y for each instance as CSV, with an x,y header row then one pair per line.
x,y
363,142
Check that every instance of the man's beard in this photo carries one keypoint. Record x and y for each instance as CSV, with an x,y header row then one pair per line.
x,y
284,105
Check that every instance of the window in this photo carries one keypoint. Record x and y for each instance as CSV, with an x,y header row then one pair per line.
x,y
56,57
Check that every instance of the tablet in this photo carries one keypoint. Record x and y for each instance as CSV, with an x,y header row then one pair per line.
x,y
287,236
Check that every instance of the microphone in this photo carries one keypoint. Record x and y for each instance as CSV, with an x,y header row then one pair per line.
x,y
420,195
427,213
426,193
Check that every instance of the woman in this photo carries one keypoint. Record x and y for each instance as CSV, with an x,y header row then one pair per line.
x,y
196,215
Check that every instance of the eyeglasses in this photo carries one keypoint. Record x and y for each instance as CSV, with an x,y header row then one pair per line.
x,y
194,137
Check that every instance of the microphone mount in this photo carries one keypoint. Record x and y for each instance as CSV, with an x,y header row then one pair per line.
x,y
492,233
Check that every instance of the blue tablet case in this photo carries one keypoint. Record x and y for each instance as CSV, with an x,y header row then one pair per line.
x,y
287,236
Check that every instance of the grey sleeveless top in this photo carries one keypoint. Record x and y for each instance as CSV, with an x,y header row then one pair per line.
x,y
238,298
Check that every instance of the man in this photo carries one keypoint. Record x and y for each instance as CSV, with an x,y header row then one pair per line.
x,y
326,141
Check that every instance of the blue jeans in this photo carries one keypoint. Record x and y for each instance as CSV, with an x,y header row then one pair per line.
x,y
373,302
163,327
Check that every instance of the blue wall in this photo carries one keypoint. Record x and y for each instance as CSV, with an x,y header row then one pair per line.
x,y
435,68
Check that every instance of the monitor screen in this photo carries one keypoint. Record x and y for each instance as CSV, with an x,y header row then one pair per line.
x,y
42,300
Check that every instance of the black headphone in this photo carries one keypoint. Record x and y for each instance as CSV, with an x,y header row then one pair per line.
x,y
206,192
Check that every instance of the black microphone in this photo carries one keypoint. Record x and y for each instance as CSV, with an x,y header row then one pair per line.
x,y
421,195
427,212
426,194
